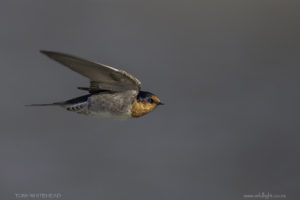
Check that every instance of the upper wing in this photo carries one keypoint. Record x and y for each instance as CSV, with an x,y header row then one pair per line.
x,y
102,77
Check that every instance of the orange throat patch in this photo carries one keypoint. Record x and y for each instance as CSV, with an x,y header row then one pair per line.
x,y
141,108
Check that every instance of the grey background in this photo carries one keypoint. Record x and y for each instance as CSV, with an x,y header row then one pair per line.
x,y
228,72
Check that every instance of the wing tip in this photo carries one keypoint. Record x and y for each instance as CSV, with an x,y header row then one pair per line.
x,y
44,51
52,53
47,53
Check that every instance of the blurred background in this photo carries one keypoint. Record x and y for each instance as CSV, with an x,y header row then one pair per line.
x,y
228,72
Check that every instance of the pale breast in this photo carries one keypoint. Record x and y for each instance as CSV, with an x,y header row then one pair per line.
x,y
112,105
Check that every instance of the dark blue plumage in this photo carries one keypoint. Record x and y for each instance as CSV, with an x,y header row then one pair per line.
x,y
144,96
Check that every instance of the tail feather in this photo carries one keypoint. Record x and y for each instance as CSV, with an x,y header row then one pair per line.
x,y
84,88
76,100
47,104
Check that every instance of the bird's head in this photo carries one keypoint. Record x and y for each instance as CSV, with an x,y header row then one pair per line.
x,y
144,103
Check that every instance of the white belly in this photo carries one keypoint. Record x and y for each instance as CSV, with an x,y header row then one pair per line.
x,y
108,115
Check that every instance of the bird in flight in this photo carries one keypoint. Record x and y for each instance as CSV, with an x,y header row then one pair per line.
x,y
113,93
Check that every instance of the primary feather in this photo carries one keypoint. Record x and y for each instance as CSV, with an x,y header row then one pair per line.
x,y
102,77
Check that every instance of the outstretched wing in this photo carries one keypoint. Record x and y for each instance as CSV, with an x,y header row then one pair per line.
x,y
102,77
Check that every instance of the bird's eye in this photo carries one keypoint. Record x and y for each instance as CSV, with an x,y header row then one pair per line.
x,y
151,101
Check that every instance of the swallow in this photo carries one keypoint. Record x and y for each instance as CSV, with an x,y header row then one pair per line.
x,y
112,94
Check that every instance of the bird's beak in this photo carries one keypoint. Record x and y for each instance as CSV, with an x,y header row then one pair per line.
x,y
160,103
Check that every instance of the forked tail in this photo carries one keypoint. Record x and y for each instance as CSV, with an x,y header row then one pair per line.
x,y
74,101
48,104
